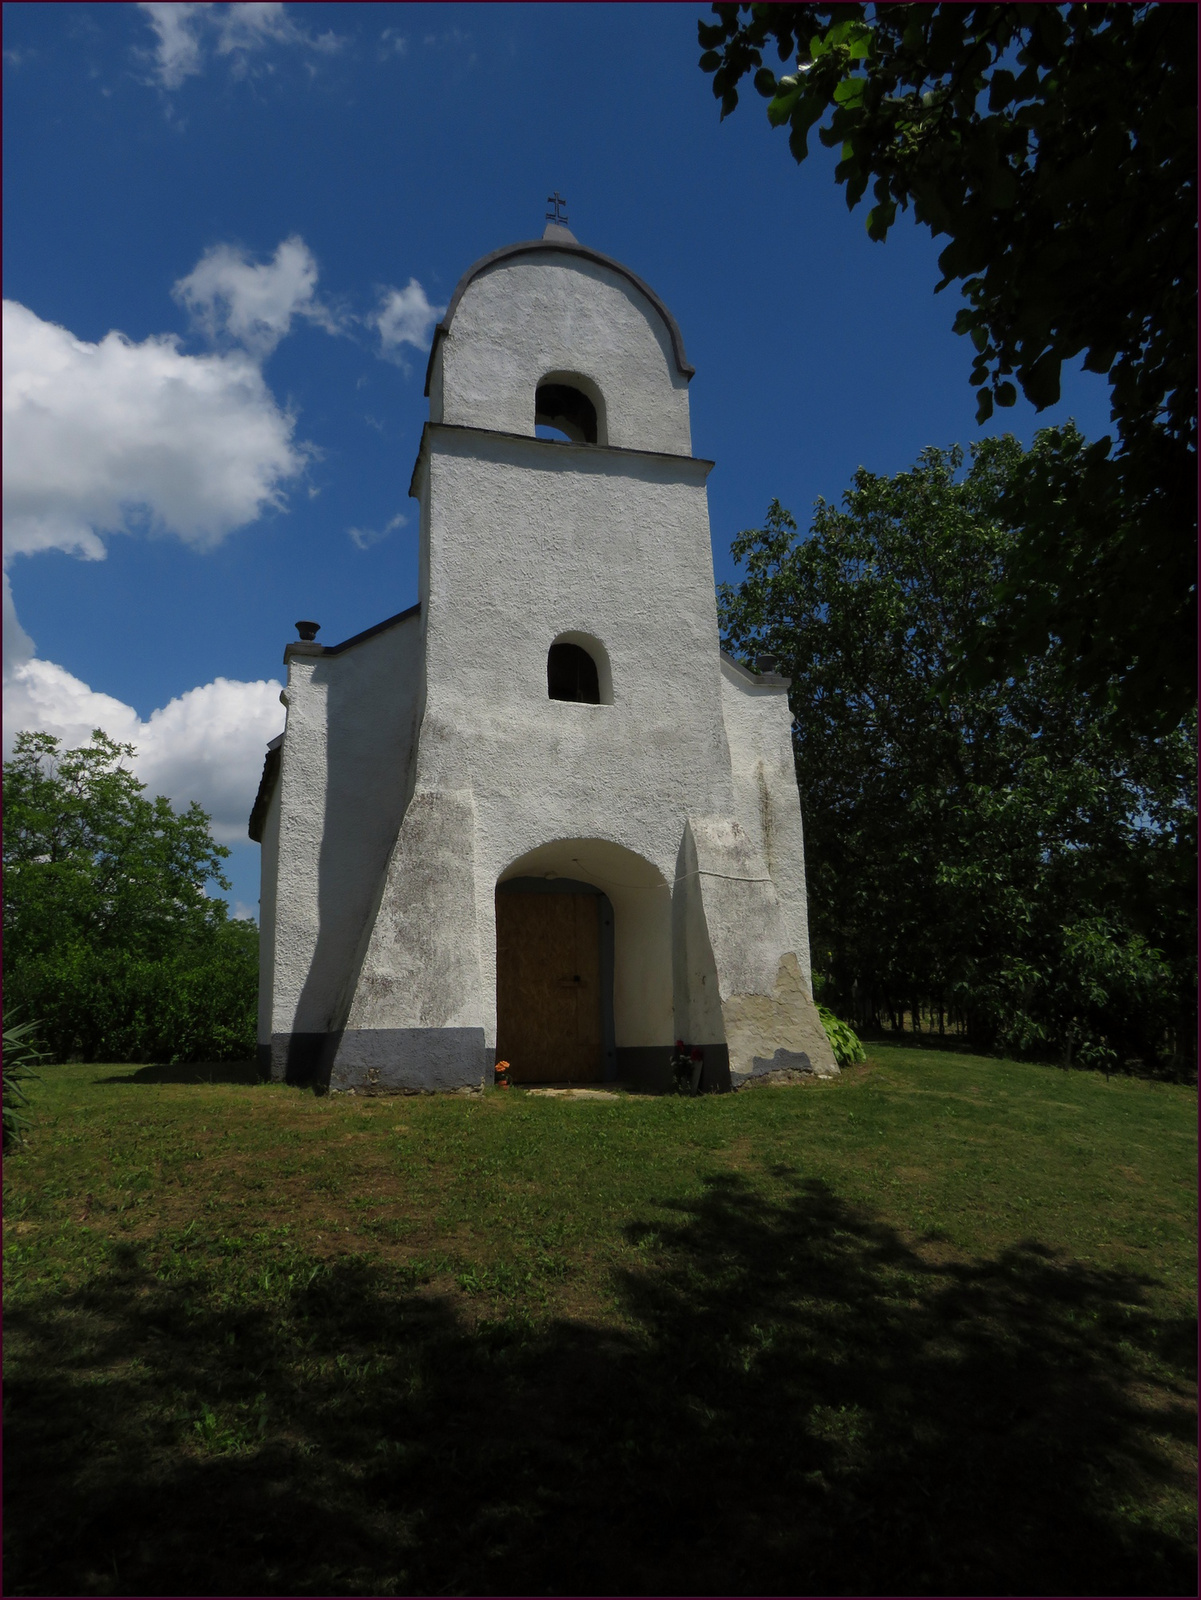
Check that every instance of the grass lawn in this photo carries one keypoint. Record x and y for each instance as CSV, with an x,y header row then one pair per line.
x,y
926,1329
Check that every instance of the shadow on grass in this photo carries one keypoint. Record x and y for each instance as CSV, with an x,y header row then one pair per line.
x,y
800,1404
191,1072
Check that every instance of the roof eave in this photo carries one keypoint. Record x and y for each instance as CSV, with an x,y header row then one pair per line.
x,y
561,247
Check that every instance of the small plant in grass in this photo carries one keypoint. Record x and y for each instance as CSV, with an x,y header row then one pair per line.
x,y
503,1075
21,1055
844,1041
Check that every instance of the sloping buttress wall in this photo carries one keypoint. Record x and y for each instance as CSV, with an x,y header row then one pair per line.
x,y
345,770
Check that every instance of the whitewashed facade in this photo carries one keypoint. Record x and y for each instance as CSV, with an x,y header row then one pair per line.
x,y
424,765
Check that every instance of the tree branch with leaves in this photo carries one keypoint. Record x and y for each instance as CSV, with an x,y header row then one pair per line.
x,y
1055,149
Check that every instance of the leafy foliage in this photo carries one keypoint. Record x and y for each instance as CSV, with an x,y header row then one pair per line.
x,y
995,854
21,1055
844,1041
109,936
1055,147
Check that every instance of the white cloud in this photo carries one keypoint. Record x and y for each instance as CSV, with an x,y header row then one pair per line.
x,y
404,316
228,295
100,438
18,646
206,745
392,43
231,298
117,436
366,537
177,53
237,31
251,25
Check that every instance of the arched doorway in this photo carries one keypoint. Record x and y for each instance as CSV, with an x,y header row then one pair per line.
x,y
630,907
554,980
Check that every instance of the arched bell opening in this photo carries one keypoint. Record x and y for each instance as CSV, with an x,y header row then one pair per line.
x,y
571,406
583,963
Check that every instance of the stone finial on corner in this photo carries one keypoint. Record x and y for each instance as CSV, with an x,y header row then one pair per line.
x,y
306,645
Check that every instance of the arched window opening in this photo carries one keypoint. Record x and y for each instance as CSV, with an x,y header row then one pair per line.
x,y
569,410
571,674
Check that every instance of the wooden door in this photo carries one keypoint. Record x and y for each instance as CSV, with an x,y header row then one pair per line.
x,y
548,999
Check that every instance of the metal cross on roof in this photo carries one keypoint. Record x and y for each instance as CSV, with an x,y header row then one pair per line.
x,y
556,200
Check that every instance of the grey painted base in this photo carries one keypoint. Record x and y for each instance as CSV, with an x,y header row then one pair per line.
x,y
383,1060
647,1068
782,1067
417,1060
379,1060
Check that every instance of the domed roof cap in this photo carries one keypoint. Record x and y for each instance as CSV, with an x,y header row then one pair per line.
x,y
559,242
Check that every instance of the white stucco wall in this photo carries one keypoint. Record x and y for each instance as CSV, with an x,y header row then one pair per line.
x,y
345,773
766,800
427,763
528,540
768,1018
696,985
533,315
268,893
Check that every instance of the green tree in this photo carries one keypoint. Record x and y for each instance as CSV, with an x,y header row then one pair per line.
x,y
994,854
1055,148
110,940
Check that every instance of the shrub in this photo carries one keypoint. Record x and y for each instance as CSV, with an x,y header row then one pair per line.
x,y
195,1003
21,1056
844,1041
110,938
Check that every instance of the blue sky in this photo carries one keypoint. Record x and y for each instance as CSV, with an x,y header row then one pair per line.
x,y
270,204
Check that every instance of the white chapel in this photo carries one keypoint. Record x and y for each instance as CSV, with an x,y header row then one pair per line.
x,y
539,815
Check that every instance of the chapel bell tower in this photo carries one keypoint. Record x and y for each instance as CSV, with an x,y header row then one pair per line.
x,y
540,814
